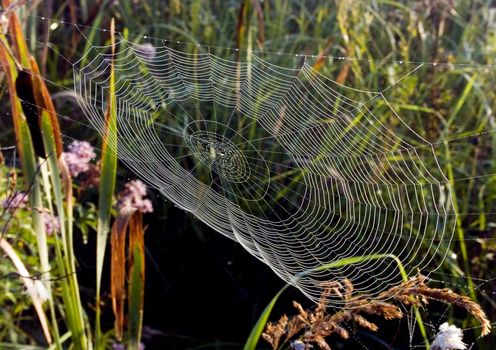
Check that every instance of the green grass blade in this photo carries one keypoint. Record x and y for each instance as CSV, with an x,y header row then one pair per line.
x,y
136,288
107,187
257,330
463,98
136,293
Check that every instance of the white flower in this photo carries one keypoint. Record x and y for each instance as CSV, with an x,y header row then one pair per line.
x,y
449,337
37,289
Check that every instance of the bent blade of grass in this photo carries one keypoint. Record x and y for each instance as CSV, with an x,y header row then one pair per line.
x,y
30,285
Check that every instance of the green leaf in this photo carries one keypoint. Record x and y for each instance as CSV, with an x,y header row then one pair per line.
x,y
136,297
257,330
461,101
136,288
107,187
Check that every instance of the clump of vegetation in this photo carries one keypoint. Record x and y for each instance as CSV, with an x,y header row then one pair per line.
x,y
309,327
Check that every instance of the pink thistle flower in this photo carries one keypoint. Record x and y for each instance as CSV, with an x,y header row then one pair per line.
x,y
132,196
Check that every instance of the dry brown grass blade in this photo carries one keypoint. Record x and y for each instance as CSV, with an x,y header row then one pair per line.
x,y
118,267
19,46
136,237
241,27
11,73
261,24
343,74
44,101
322,58
129,221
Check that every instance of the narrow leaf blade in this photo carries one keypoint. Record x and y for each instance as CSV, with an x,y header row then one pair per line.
x,y
136,279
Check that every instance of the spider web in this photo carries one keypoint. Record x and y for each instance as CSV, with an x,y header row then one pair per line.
x,y
298,168
280,156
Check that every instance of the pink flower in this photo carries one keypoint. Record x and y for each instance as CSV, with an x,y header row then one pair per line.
x,y
16,200
51,223
133,196
78,157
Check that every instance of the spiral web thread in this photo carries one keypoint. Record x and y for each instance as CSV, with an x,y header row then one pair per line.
x,y
299,169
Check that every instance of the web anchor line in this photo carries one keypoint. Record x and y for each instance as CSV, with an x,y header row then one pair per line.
x,y
266,52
